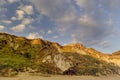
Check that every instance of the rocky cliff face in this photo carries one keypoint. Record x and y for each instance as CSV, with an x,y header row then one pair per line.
x,y
81,49
44,56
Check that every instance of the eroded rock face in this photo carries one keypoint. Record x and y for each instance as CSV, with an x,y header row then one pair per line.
x,y
37,41
59,61
81,49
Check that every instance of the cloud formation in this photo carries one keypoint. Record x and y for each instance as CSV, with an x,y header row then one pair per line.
x,y
28,9
18,28
12,1
27,21
19,15
49,32
89,26
1,27
5,21
62,12
34,35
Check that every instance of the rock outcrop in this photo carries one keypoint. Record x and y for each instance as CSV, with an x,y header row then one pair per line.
x,y
19,53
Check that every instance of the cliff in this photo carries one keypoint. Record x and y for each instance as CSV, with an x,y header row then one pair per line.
x,y
19,54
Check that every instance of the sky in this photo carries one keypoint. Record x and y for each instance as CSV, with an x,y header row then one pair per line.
x,y
94,23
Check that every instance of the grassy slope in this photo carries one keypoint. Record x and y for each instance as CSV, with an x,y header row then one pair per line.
x,y
20,54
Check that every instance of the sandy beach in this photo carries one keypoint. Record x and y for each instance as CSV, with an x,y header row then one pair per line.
x,y
59,77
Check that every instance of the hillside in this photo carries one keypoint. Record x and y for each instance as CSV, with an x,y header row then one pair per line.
x,y
19,54
116,53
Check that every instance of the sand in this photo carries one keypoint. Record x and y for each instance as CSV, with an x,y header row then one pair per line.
x,y
59,77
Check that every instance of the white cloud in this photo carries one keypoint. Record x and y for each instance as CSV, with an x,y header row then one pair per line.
x,y
21,27
6,21
20,15
27,21
49,32
82,2
61,29
13,18
67,18
34,35
13,1
21,12
55,37
1,27
18,28
88,5
28,9
87,20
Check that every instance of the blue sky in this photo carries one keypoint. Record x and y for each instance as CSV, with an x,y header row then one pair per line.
x,y
95,23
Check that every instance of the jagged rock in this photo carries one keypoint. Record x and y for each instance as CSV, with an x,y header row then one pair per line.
x,y
59,61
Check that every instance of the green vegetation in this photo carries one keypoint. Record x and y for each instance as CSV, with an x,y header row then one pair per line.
x,y
88,65
20,55
16,54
